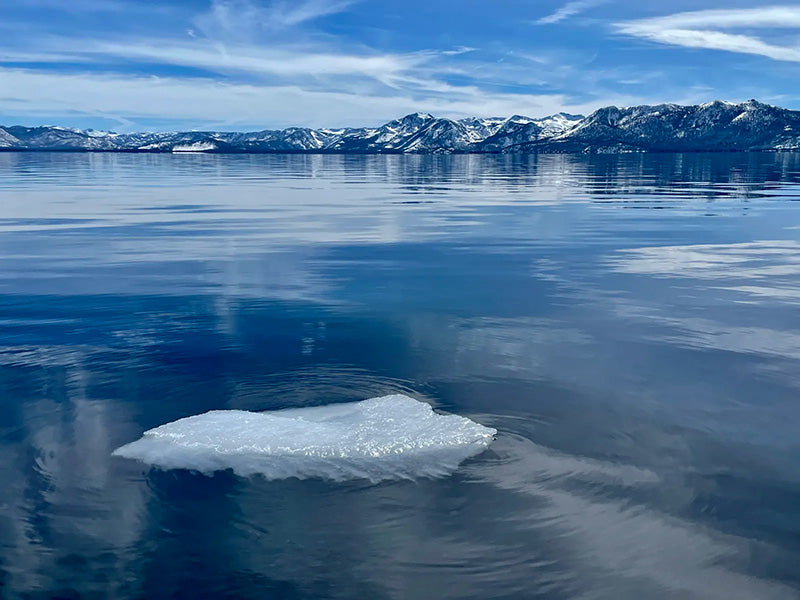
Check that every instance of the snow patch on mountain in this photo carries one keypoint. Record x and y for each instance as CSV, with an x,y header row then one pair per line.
x,y
7,140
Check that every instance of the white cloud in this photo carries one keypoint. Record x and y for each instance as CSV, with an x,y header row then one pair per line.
x,y
704,29
570,9
272,61
717,40
238,19
768,16
201,102
276,64
204,101
292,13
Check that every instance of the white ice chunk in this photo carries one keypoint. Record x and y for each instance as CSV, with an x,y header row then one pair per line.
x,y
392,437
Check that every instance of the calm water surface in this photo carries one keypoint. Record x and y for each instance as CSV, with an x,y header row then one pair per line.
x,y
629,324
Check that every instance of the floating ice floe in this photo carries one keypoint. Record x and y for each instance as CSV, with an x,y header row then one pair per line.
x,y
392,437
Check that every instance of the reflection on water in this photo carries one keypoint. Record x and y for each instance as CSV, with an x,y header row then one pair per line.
x,y
627,323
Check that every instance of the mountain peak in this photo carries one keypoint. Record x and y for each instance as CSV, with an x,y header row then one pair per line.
x,y
418,116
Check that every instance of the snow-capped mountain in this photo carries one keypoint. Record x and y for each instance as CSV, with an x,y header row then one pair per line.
x,y
518,130
418,133
414,133
36,138
715,126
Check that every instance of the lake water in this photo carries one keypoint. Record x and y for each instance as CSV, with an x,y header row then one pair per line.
x,y
629,324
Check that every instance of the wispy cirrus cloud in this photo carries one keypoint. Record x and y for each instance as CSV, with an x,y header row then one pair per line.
x,y
274,64
570,9
286,61
293,13
708,29
268,85
234,19
767,16
204,102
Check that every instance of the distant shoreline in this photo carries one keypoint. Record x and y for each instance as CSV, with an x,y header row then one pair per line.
x,y
717,126
392,152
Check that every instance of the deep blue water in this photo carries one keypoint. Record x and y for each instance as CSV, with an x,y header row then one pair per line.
x,y
629,324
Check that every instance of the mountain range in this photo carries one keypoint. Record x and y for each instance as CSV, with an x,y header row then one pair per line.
x,y
712,127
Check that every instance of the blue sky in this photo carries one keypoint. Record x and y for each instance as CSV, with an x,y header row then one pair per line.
x,y
254,64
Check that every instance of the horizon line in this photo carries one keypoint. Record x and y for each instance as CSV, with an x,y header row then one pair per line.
x,y
420,113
